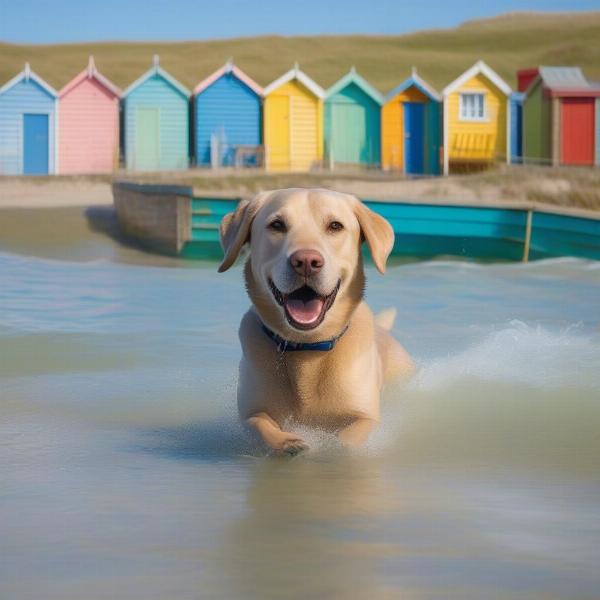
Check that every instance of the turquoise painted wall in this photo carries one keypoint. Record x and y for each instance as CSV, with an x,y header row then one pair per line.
x,y
433,137
173,113
353,127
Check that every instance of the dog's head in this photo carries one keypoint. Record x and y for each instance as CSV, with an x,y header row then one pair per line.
x,y
305,274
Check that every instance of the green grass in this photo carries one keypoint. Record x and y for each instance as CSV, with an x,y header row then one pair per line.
x,y
506,43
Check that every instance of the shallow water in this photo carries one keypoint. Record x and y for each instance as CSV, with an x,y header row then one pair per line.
x,y
124,472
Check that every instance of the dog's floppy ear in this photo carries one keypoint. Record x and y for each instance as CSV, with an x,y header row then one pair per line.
x,y
235,229
377,232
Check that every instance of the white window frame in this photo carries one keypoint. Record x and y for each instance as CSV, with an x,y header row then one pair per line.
x,y
462,109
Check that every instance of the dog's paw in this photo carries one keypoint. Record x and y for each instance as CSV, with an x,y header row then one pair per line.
x,y
290,444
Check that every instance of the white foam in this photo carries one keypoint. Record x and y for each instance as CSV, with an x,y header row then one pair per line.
x,y
520,353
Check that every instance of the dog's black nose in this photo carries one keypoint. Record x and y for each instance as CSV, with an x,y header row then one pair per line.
x,y
307,262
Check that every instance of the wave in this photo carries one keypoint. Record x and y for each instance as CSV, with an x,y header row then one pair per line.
x,y
521,353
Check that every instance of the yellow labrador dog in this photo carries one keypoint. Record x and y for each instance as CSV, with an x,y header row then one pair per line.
x,y
313,353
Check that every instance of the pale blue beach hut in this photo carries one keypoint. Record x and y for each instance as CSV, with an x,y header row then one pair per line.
x,y
28,109
156,113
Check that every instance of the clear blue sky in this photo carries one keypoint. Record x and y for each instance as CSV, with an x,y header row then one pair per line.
x,y
49,21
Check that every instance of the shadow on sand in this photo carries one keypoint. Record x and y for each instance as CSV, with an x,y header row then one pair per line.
x,y
103,219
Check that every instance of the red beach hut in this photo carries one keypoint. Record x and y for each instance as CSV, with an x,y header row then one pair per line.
x,y
560,114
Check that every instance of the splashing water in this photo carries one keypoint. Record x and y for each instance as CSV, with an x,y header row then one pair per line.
x,y
125,472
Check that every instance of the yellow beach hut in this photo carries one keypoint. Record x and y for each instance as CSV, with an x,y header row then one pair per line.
x,y
293,122
476,118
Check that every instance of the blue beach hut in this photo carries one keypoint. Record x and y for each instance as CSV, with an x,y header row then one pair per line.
x,y
516,127
156,112
227,118
28,108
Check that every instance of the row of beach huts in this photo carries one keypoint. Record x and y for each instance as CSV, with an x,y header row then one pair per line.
x,y
91,126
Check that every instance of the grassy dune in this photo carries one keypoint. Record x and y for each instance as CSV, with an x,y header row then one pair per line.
x,y
507,42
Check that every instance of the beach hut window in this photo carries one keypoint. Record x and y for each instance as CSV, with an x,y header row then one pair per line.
x,y
472,107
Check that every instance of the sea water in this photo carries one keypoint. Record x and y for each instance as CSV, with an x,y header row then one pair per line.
x,y
124,472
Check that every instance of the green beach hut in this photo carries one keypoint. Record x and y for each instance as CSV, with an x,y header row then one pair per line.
x,y
353,122
156,112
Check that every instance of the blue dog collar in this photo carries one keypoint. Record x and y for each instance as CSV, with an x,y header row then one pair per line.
x,y
287,346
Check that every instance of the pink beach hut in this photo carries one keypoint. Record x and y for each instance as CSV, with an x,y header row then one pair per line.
x,y
88,122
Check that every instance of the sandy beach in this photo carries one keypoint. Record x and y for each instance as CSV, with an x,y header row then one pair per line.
x,y
53,193
566,187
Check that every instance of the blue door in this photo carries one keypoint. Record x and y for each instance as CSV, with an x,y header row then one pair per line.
x,y
35,144
516,125
414,130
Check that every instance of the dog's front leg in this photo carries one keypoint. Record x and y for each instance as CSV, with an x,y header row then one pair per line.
x,y
357,432
273,436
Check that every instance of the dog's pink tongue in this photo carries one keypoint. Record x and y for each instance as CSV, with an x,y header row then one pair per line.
x,y
305,312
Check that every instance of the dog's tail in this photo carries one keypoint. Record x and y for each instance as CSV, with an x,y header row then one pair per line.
x,y
386,318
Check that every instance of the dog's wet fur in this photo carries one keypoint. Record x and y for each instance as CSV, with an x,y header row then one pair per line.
x,y
305,278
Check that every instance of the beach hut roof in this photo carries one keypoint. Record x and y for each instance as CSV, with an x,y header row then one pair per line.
x,y
563,77
229,67
28,74
564,81
478,68
303,78
353,77
158,70
418,82
91,72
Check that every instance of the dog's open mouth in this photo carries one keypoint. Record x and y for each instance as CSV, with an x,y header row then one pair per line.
x,y
304,308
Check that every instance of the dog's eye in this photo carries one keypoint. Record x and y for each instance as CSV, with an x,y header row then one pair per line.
x,y
335,226
277,225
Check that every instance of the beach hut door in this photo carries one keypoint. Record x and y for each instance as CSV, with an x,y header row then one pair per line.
x,y
148,138
414,129
280,148
349,134
577,131
35,144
